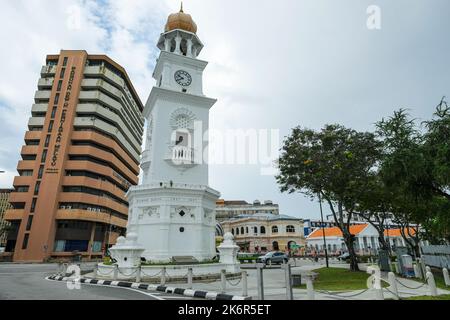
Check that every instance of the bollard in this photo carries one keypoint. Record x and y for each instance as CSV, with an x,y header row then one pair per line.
x,y
393,285
116,272
431,284
287,274
244,283
190,276
309,287
260,281
138,274
417,272
223,279
95,271
60,268
163,276
65,266
446,277
397,268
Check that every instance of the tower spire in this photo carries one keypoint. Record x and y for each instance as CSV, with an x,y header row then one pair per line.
x,y
181,9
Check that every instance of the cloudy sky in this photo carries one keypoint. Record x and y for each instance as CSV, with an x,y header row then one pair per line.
x,y
273,65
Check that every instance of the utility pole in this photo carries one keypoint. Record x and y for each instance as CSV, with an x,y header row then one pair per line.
x,y
323,232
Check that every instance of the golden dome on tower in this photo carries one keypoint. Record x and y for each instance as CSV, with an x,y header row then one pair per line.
x,y
180,20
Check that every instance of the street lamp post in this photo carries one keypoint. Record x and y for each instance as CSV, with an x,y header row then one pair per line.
x,y
323,232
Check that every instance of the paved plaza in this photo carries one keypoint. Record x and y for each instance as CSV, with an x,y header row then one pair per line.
x,y
27,281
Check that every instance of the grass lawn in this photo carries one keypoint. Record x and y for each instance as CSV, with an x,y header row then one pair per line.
x,y
339,279
441,297
440,282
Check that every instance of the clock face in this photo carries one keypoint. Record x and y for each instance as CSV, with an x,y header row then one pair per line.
x,y
183,78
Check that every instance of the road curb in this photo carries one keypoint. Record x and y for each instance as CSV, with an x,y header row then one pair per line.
x,y
151,287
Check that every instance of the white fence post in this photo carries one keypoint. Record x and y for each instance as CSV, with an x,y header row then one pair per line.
x,y
244,283
260,281
417,272
393,285
138,274
446,277
223,280
431,284
163,276
287,276
190,277
309,287
116,272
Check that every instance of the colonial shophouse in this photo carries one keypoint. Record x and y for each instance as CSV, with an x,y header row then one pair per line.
x,y
263,232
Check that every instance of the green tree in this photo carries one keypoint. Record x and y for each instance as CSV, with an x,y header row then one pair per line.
x,y
336,163
415,168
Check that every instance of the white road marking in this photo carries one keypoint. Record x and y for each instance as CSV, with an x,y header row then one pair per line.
x,y
131,289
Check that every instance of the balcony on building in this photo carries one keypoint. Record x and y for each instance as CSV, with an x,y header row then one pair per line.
x,y
48,70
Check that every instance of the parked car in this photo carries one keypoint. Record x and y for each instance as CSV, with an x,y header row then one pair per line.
x,y
344,256
273,257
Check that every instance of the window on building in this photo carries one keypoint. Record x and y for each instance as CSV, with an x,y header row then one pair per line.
x,y
22,189
26,173
56,98
242,230
255,230
29,222
50,126
232,231
25,241
53,112
33,205
262,230
246,230
274,229
40,172
47,141
61,75
59,85
65,61
290,229
36,188
237,231
44,156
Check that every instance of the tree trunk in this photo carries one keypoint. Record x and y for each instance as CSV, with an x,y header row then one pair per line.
x,y
349,240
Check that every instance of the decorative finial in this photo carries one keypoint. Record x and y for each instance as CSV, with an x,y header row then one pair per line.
x,y
181,9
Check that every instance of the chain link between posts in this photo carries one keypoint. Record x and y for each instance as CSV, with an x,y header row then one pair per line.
x,y
340,295
127,275
235,284
105,274
151,276
411,288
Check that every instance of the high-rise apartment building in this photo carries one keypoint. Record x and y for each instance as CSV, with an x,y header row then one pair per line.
x,y
4,205
81,154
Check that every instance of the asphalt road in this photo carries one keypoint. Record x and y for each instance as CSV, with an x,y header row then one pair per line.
x,y
27,282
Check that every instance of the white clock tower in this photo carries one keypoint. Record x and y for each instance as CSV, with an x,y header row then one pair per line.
x,y
172,211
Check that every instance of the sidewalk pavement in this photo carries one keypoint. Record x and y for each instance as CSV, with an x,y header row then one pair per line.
x,y
275,289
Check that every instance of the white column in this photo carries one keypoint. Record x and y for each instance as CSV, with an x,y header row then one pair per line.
x,y
189,48
167,44
177,45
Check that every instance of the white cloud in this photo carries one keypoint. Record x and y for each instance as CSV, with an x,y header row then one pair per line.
x,y
272,65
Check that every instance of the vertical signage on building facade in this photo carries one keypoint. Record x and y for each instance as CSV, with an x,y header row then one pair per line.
x,y
61,126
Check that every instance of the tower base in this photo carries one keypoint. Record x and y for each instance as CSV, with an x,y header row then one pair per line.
x,y
173,220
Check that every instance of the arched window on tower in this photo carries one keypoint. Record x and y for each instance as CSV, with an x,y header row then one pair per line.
x,y
262,230
237,231
274,229
242,230
290,229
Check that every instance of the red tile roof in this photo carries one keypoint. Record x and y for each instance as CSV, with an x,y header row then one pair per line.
x,y
336,232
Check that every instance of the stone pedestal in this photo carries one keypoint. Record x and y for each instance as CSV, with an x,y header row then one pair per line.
x,y
127,252
228,253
